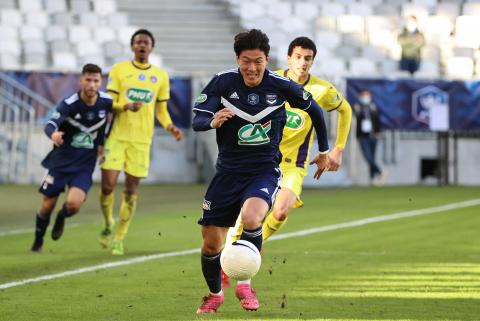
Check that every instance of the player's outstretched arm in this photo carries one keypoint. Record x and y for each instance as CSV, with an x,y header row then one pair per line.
x,y
204,120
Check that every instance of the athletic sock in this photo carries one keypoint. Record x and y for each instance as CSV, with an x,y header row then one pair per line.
x,y
271,225
127,210
211,272
253,236
106,204
41,224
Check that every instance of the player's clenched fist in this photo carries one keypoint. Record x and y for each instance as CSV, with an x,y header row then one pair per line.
x,y
221,116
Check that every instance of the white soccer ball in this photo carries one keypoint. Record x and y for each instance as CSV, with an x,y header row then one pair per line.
x,y
240,260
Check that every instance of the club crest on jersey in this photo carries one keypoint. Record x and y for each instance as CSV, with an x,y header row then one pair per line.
x,y
271,99
142,77
153,79
254,134
102,114
139,94
306,95
294,120
206,205
253,99
56,115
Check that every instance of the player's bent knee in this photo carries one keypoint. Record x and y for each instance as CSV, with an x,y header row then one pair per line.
x,y
280,213
73,206
211,249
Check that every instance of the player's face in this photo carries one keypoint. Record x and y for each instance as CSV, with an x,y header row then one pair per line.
x,y
142,47
300,61
90,84
252,65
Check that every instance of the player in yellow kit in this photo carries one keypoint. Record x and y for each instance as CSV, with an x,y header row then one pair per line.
x,y
140,91
298,136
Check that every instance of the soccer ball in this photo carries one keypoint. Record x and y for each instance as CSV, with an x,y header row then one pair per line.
x,y
240,260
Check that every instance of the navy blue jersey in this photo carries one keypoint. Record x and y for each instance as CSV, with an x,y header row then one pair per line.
x,y
249,141
84,130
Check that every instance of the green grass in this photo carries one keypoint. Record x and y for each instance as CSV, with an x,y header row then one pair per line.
x,y
419,268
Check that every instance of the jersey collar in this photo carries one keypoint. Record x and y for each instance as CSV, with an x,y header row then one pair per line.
x,y
141,66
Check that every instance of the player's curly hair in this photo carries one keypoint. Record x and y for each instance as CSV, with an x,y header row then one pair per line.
x,y
302,42
142,32
251,39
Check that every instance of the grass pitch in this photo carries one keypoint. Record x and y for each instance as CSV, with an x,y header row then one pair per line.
x,y
417,268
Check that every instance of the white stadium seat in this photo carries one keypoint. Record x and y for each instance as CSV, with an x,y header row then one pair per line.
x,y
362,67
53,6
328,39
350,23
55,32
63,19
60,46
118,19
360,9
89,19
65,61
31,33
9,61
29,5
326,23
104,7
437,28
124,34
448,9
37,19
10,46
466,31
428,3
80,6
103,34
35,62
11,17
87,48
8,32
460,68
79,33
113,48
35,47
471,9
332,9
305,10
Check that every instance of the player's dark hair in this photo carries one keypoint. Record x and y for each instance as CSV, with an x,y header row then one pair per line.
x,y
302,42
91,69
251,39
142,32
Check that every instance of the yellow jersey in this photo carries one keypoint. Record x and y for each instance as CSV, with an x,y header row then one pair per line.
x,y
133,82
298,131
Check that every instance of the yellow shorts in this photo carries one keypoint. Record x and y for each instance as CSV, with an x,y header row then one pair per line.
x,y
292,178
132,157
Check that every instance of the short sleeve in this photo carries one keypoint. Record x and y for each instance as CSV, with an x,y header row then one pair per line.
x,y
297,96
113,83
164,89
331,100
209,99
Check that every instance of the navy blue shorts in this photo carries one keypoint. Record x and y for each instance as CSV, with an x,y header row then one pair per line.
x,y
54,182
228,191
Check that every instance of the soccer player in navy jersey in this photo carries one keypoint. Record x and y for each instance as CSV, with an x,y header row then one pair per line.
x,y
246,107
77,130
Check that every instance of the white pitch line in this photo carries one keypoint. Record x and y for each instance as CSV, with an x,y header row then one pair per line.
x,y
30,230
376,219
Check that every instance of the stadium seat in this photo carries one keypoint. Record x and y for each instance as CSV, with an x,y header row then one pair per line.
x,y
8,4
332,67
9,61
364,67
89,19
279,9
79,6
104,7
97,59
35,62
112,49
31,33
11,17
103,34
437,29
346,52
37,19
388,66
448,9
305,10
350,23
372,52
60,46
354,39
54,32
460,68
428,69
427,3
35,47
385,10
63,19
65,61
86,48
10,46
326,23
372,2
466,31
124,34
332,9
79,33
328,39
118,19
53,6
432,52
360,9
8,32
29,5
293,25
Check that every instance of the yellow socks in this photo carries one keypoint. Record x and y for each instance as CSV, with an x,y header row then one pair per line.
x,y
271,225
106,203
127,209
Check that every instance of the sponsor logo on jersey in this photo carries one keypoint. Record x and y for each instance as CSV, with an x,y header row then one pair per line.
x,y
306,95
253,99
153,79
254,134
234,95
139,94
90,116
142,77
83,140
56,115
294,120
271,99
201,99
